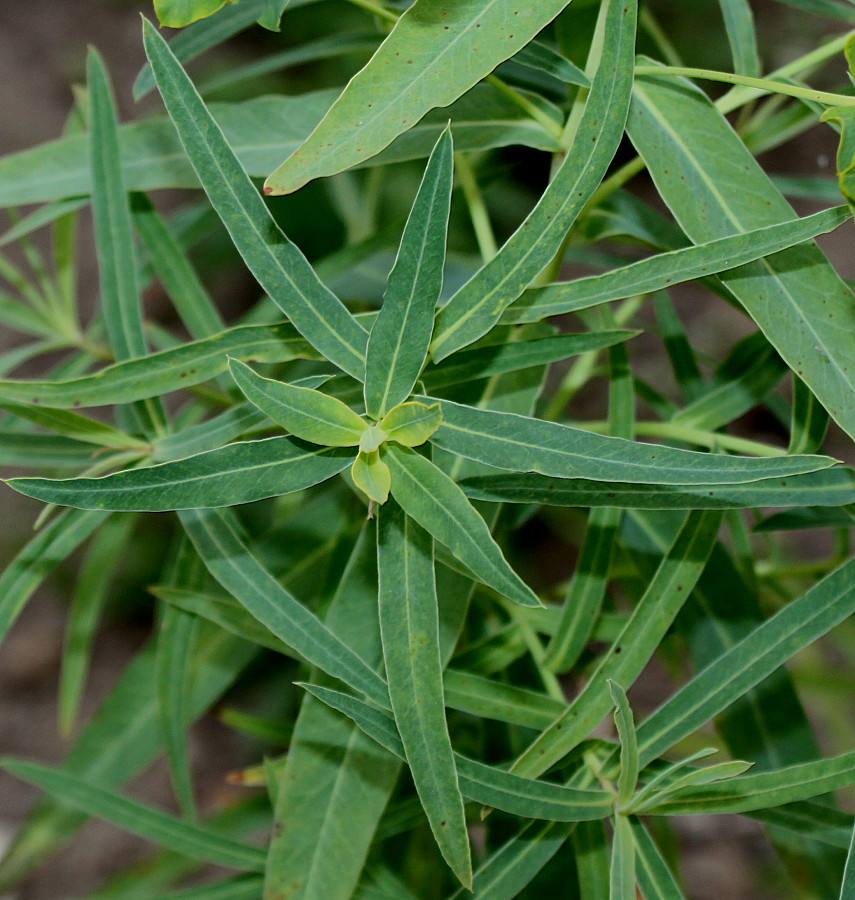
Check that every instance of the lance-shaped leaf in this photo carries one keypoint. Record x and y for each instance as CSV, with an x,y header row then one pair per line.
x,y
478,305
306,413
168,370
409,626
435,53
237,473
280,268
430,497
625,725
411,424
148,823
76,426
399,340
745,793
622,868
845,120
796,298
828,487
485,784
654,877
523,444
231,562
847,888
38,557
667,269
112,219
654,614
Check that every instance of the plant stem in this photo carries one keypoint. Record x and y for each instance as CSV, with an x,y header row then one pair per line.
x,y
760,84
477,209
376,9
524,103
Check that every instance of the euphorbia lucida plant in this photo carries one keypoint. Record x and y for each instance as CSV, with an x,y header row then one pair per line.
x,y
434,719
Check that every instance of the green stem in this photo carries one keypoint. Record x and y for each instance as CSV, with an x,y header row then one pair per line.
x,y
524,103
477,209
376,9
765,85
649,23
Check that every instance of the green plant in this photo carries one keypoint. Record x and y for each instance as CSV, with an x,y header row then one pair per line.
x,y
418,443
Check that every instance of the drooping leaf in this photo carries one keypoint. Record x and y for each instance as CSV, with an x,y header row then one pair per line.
x,y
278,265
479,304
372,476
399,339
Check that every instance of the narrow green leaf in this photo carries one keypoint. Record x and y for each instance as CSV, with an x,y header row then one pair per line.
x,y
828,487
591,850
237,473
796,298
87,602
491,699
739,22
306,413
433,55
654,877
430,497
399,340
76,426
628,745
148,823
175,272
479,304
278,265
336,781
543,58
234,566
34,562
809,420
411,424
523,444
622,871
120,293
510,868
847,888
748,792
664,270
168,370
409,625
485,784
654,614
749,661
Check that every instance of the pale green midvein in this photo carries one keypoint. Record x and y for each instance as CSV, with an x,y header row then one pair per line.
x,y
666,126
236,198
761,84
